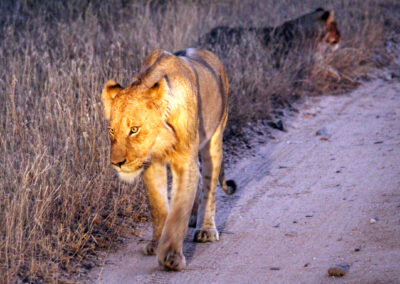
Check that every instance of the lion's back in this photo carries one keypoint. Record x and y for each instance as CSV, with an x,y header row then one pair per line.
x,y
213,88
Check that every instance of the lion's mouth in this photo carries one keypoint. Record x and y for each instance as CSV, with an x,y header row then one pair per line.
x,y
129,172
130,168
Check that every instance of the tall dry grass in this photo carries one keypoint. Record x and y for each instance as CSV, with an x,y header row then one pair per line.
x,y
59,199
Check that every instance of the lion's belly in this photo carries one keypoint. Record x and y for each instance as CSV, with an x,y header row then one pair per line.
x,y
211,113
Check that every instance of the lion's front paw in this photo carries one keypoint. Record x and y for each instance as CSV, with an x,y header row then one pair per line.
x,y
150,248
206,235
172,260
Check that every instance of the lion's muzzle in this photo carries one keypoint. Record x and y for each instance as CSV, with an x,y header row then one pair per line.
x,y
127,171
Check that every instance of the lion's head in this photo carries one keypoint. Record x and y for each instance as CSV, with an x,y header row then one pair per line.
x,y
137,122
331,35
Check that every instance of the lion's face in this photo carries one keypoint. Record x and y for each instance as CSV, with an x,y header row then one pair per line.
x,y
132,135
332,37
135,124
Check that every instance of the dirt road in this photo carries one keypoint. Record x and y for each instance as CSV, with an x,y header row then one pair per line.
x,y
304,203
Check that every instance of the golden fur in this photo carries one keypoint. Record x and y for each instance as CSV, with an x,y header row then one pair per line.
x,y
176,107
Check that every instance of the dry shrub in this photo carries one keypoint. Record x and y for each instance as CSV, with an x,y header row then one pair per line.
x,y
59,199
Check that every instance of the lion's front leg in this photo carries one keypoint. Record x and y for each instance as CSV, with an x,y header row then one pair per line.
x,y
185,178
155,180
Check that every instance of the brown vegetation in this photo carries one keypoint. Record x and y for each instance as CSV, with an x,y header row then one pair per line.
x,y
59,198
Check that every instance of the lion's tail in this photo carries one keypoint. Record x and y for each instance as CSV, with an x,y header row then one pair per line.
x,y
228,186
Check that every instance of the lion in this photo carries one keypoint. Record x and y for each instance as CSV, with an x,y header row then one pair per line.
x,y
316,31
176,108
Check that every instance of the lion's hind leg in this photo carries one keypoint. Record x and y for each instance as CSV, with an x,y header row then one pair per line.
x,y
211,154
193,215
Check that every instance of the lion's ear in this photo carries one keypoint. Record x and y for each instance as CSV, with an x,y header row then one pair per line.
x,y
110,90
328,17
325,16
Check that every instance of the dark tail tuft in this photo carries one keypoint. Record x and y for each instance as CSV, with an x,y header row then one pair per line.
x,y
231,184
228,186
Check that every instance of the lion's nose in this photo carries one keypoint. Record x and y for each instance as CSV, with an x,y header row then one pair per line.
x,y
119,164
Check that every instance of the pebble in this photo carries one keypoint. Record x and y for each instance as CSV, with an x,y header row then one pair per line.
x,y
277,125
89,264
337,271
372,221
291,234
322,132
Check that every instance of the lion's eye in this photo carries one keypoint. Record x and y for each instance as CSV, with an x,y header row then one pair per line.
x,y
111,131
134,130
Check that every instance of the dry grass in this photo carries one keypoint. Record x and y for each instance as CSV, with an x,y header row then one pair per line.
x,y
59,199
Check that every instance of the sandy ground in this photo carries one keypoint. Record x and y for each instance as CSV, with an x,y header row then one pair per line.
x,y
304,203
